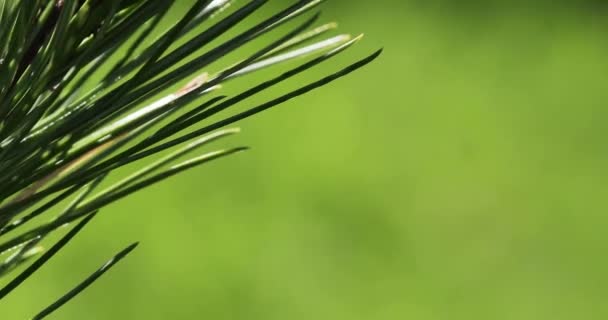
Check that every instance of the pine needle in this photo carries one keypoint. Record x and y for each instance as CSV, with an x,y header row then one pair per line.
x,y
65,125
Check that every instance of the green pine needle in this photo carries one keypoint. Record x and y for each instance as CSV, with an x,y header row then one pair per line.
x,y
83,92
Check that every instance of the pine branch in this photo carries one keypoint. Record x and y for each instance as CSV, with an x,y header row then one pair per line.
x,y
64,126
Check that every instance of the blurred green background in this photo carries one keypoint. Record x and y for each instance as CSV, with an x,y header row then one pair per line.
x,y
461,176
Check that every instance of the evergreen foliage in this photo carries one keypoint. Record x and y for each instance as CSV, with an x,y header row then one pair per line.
x,y
60,136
